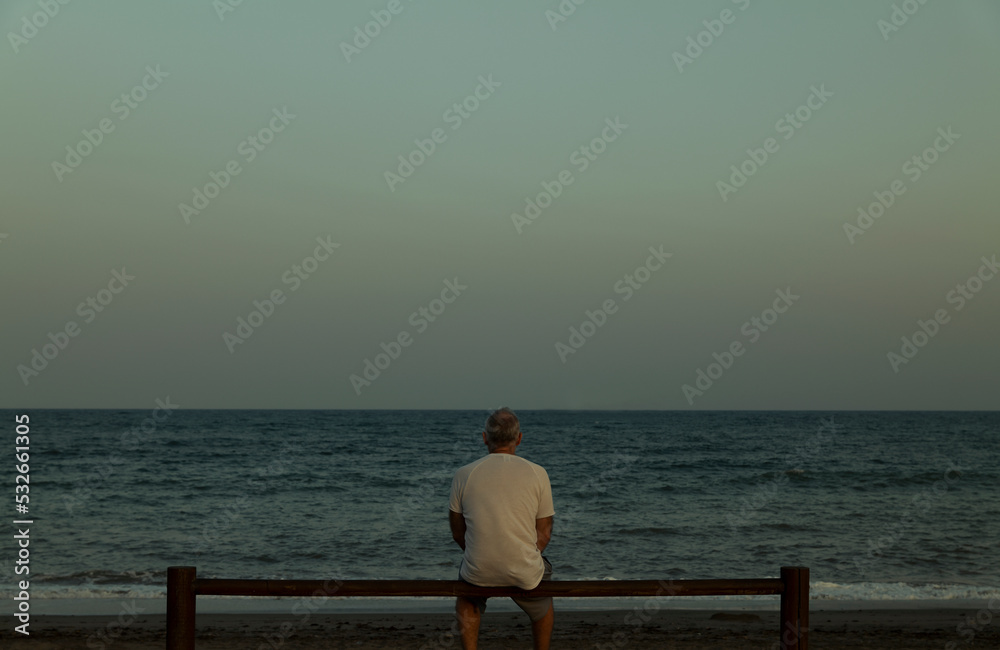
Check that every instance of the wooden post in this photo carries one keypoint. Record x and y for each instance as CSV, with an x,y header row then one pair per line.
x,y
795,608
183,587
180,607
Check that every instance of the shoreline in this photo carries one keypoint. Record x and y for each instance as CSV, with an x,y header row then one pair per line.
x,y
914,628
61,607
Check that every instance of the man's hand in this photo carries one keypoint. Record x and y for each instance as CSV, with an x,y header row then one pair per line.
x,y
457,522
543,528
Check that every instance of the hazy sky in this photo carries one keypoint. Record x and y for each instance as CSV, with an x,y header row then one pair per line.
x,y
639,131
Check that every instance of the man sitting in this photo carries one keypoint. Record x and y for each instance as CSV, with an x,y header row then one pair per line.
x,y
501,516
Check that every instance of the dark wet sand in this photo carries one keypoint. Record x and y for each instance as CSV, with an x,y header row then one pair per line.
x,y
870,628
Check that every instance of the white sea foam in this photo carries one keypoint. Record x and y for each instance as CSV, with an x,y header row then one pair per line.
x,y
819,590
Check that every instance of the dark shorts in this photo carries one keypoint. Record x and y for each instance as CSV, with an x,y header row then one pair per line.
x,y
535,608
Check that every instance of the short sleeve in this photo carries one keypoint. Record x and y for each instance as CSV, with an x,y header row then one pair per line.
x,y
545,506
455,501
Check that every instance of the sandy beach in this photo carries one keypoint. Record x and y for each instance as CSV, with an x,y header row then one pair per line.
x,y
870,628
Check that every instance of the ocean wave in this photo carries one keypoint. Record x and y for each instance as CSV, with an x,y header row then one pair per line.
x,y
818,590
50,592
102,577
721,489
821,590
648,530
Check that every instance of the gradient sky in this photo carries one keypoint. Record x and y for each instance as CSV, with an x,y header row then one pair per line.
x,y
655,185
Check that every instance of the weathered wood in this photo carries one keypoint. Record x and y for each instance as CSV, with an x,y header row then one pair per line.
x,y
181,603
183,587
795,608
565,588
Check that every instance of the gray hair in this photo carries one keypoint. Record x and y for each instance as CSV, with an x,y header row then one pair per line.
x,y
502,428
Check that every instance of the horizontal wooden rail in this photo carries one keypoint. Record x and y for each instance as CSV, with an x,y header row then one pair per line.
x,y
404,588
183,587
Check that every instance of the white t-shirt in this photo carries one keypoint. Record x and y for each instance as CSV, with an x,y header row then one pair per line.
x,y
501,496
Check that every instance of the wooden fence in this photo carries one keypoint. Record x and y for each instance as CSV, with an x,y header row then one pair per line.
x,y
184,586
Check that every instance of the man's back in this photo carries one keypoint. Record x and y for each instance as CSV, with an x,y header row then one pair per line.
x,y
500,496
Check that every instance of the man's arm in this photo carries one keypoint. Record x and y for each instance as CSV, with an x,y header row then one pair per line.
x,y
543,528
457,522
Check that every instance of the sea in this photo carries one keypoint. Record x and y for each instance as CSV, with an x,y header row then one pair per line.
x,y
881,506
